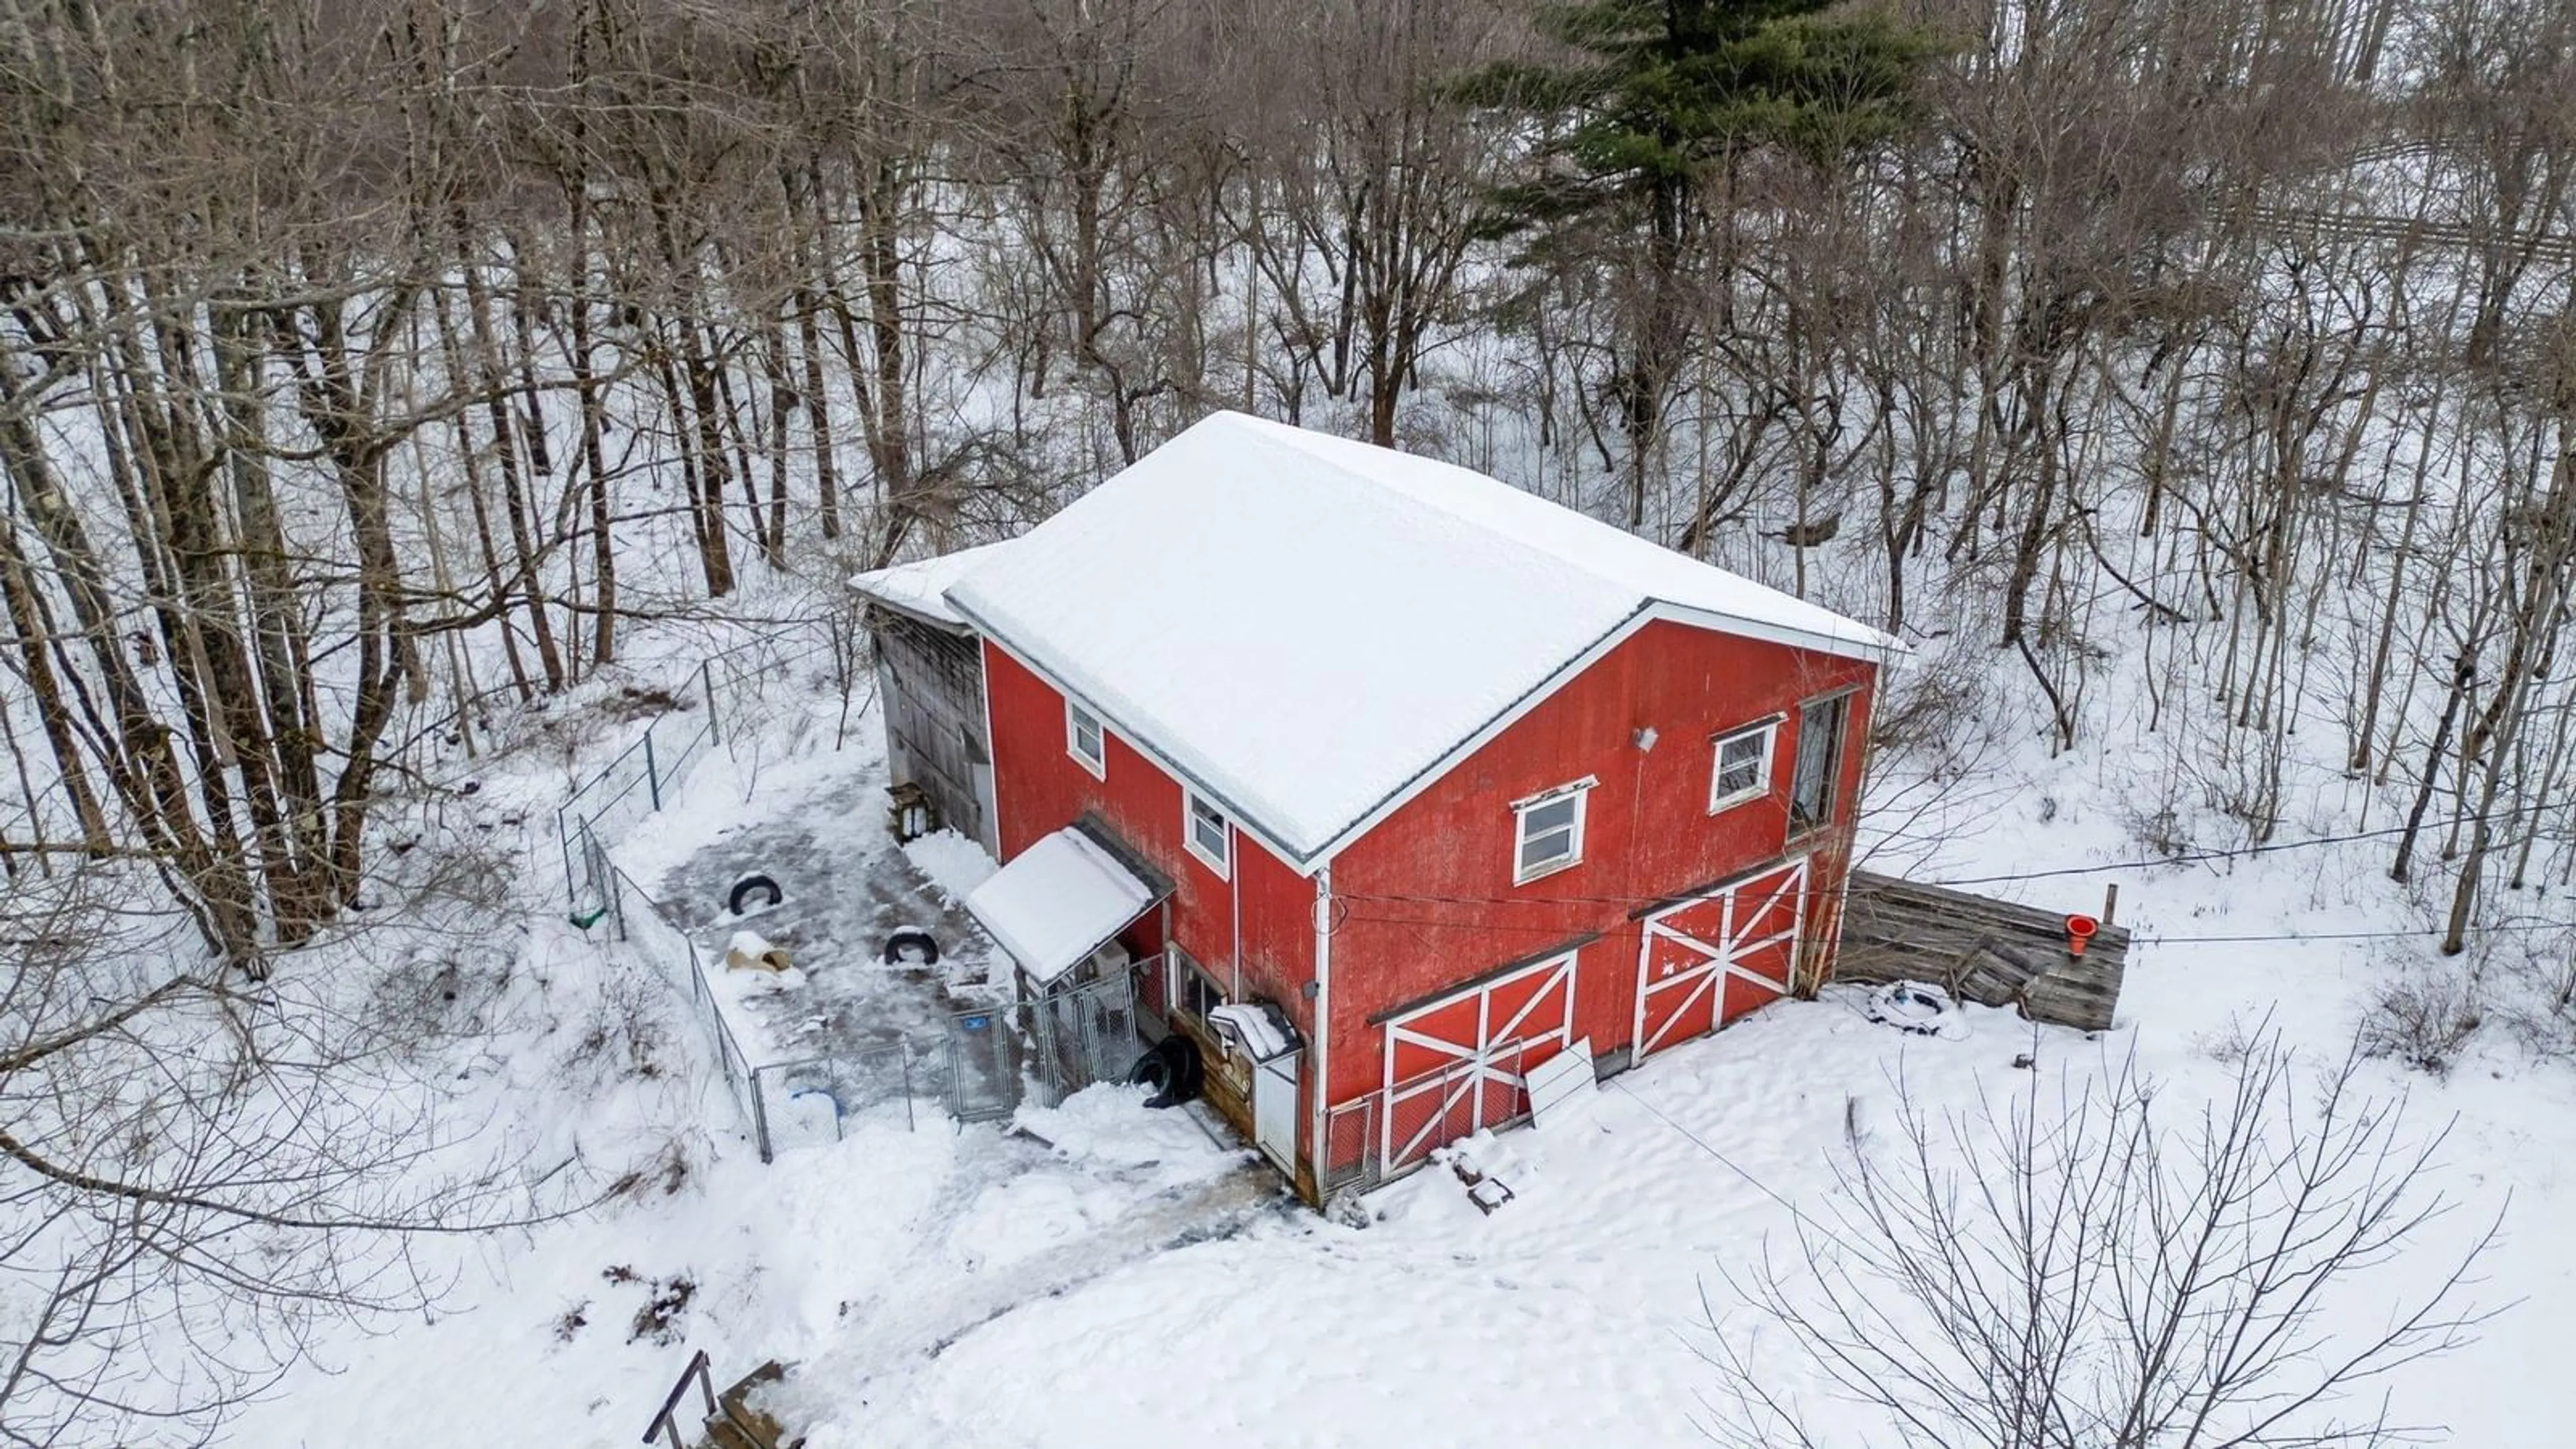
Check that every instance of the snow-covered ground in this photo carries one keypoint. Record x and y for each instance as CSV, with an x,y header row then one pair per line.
x,y
1099,1274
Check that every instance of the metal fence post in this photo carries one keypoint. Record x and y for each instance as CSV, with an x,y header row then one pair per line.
x,y
707,687
572,887
652,779
760,1118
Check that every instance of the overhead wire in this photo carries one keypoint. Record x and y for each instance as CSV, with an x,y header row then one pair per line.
x,y
2136,938
2145,863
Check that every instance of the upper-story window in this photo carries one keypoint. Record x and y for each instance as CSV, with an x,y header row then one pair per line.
x,y
1550,833
1085,740
1205,828
1742,769
1818,769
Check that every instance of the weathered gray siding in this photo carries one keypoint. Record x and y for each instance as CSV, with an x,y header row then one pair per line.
x,y
931,684
1985,950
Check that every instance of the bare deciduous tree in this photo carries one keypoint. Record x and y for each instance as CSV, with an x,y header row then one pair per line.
x,y
196,1173
2099,1267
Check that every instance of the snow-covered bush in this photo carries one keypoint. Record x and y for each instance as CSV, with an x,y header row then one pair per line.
x,y
2423,1018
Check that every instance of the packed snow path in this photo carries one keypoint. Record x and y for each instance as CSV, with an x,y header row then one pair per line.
x,y
931,1305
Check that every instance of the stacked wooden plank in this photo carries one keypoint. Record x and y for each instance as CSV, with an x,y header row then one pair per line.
x,y
1983,950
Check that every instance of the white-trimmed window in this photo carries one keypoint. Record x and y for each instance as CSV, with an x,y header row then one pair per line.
x,y
1085,740
1209,835
1549,831
1741,766
1192,989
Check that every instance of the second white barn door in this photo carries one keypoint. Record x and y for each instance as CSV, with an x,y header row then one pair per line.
x,y
1714,957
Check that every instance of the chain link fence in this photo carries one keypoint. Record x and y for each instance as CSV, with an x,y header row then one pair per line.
x,y
648,774
1042,1051
639,923
811,1100
981,1068
784,1104
1351,1146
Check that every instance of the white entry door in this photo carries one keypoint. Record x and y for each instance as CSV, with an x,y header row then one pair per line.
x,y
1274,1109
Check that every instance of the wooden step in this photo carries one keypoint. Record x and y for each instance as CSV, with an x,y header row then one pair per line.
x,y
737,1425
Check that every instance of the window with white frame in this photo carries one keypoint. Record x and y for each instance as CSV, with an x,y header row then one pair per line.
x,y
1084,739
1193,990
1550,833
1209,835
1742,768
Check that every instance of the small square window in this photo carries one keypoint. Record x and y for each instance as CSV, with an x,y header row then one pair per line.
x,y
1210,837
1550,836
1085,740
1743,767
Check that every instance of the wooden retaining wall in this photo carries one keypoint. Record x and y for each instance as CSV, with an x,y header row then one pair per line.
x,y
1984,950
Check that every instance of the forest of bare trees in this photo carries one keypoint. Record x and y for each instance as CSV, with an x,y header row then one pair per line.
x,y
368,364
2188,380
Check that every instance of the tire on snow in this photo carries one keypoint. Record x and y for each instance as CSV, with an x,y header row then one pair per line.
x,y
911,948
1173,1069
752,884
1918,1007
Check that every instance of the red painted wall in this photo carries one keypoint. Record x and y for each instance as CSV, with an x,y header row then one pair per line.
x,y
1039,789
1425,900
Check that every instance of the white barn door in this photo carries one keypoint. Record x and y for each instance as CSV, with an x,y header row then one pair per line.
x,y
1274,1110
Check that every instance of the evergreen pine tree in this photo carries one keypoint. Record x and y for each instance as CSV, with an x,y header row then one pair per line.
x,y
1655,100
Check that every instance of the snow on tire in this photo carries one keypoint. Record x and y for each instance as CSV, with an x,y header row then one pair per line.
x,y
752,885
1918,1007
911,947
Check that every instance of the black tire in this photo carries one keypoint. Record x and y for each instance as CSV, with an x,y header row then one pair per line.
x,y
751,883
911,948
1184,1072
1154,1070
1193,1066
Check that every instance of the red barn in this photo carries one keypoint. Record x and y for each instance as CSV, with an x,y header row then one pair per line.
x,y
1400,780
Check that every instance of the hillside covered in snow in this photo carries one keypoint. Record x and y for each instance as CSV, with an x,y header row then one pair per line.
x,y
435,440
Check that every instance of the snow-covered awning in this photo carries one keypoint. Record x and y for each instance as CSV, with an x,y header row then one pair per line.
x,y
1057,902
1257,1027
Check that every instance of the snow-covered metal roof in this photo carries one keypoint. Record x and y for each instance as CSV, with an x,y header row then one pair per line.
x,y
921,588
1057,902
1303,626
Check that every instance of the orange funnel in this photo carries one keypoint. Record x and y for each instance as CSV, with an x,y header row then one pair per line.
x,y
2079,930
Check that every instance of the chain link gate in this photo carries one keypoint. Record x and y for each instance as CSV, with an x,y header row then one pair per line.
x,y
1049,1048
1084,1035
587,874
983,1057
